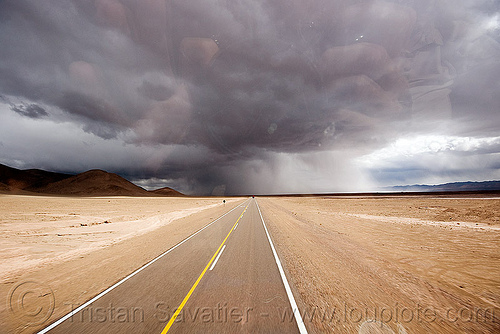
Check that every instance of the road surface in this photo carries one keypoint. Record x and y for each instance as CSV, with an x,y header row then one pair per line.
x,y
225,278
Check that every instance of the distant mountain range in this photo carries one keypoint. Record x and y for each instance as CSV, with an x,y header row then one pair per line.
x,y
101,183
454,186
90,183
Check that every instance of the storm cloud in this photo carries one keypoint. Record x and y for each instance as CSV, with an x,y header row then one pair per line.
x,y
30,110
250,96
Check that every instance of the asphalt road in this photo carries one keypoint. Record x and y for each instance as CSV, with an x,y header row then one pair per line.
x,y
223,279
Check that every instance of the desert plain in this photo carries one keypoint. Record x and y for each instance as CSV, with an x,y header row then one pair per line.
x,y
356,264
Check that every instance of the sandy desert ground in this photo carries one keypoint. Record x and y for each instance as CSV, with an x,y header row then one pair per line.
x,y
391,265
80,246
356,264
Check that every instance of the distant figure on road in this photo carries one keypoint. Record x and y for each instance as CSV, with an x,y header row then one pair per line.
x,y
224,201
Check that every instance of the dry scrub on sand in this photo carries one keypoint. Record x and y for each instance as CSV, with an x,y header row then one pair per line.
x,y
391,265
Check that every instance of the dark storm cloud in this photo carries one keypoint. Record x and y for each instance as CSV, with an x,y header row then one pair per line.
x,y
243,80
156,92
94,109
30,110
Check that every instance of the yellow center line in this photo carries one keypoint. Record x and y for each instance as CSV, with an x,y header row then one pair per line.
x,y
184,301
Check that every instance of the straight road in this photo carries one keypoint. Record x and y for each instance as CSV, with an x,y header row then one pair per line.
x,y
223,279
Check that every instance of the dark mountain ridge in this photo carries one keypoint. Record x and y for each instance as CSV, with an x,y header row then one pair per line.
x,y
90,183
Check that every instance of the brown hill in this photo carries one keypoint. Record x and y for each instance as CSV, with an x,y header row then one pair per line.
x,y
29,179
3,187
166,191
90,183
94,183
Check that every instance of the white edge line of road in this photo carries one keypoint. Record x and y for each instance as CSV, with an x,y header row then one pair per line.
x,y
293,304
81,307
217,258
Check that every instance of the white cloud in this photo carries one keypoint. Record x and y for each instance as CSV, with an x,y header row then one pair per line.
x,y
491,23
413,148
434,159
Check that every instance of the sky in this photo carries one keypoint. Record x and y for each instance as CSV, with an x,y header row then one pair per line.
x,y
232,97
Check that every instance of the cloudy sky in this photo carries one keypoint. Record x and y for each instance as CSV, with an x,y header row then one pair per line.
x,y
253,96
